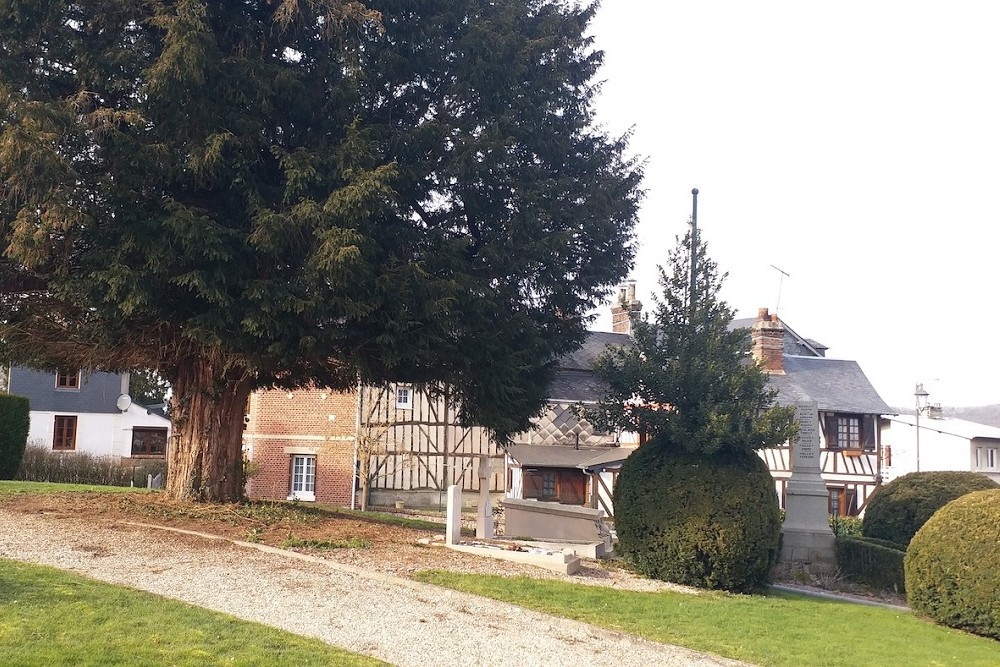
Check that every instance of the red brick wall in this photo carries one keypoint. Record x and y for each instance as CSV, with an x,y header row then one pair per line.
x,y
284,422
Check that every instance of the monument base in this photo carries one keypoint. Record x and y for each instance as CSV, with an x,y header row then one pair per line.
x,y
815,549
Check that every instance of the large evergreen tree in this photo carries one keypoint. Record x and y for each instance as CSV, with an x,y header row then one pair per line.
x,y
689,381
282,192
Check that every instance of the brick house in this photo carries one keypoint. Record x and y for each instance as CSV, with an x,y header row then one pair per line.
x,y
305,441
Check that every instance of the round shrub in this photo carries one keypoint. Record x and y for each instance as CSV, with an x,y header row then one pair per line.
x,y
952,566
897,510
702,520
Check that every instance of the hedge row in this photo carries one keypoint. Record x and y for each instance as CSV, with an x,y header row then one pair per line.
x,y
14,423
898,510
873,562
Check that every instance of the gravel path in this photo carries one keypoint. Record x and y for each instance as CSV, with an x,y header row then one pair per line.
x,y
397,620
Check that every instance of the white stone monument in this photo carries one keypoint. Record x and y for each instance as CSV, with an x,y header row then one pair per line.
x,y
806,535
453,529
484,516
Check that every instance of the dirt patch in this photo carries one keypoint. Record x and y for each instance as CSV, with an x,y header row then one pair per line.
x,y
392,549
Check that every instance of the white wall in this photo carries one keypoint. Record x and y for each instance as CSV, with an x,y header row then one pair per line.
x,y
938,451
99,434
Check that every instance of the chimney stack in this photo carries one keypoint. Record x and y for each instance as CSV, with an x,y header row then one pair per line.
x,y
625,307
934,411
768,337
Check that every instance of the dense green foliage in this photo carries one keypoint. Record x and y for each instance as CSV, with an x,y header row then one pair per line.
x,y
953,565
14,423
59,618
898,509
44,465
686,378
702,520
875,563
777,629
147,387
247,194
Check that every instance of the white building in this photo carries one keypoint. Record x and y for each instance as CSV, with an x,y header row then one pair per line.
x,y
945,443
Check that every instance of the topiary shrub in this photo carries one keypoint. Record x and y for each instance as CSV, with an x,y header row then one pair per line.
x,y
953,565
897,510
873,562
14,421
703,520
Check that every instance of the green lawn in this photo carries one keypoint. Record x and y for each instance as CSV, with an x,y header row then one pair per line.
x,y
7,486
779,629
51,618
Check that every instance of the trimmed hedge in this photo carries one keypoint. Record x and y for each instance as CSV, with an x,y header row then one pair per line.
x,y
873,562
701,520
44,465
14,422
953,565
897,510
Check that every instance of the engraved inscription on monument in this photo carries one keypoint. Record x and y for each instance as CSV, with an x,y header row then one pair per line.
x,y
806,445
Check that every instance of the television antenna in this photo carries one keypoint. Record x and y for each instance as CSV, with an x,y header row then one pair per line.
x,y
781,278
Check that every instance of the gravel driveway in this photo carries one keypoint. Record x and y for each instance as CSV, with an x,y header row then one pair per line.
x,y
397,620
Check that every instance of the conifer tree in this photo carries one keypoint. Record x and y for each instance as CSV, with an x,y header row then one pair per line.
x,y
689,381
289,192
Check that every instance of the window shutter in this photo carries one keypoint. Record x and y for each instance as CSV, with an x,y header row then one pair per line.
x,y
868,433
830,429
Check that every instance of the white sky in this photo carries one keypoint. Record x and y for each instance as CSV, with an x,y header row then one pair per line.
x,y
855,145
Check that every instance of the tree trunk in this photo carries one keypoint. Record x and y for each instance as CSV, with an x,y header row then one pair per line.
x,y
207,410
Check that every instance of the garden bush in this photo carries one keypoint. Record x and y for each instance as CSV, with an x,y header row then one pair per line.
x,y
953,565
697,519
873,562
41,464
897,510
14,422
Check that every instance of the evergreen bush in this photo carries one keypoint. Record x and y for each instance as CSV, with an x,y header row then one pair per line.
x,y
14,421
953,565
873,562
897,510
703,520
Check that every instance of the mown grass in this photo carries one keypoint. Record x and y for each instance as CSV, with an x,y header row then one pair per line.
x,y
778,629
11,487
48,617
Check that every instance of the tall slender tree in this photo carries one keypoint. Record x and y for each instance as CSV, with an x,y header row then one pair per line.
x,y
289,192
689,382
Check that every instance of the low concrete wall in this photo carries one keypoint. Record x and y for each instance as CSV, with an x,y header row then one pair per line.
x,y
552,521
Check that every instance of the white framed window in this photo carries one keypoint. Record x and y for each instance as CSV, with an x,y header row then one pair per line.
x,y
303,486
991,459
404,398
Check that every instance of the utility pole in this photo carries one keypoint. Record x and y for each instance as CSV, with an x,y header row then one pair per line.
x,y
694,249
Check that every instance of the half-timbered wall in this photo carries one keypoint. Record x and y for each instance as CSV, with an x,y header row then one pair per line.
x,y
845,472
424,448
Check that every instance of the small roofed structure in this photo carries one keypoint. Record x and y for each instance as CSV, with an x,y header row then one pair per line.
x,y
568,475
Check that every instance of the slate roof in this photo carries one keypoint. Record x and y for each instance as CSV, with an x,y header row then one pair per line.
x,y
574,379
595,343
837,385
558,456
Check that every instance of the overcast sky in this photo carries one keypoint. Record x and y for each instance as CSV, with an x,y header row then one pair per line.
x,y
855,145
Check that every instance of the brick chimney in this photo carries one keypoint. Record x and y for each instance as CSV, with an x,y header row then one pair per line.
x,y
624,308
768,337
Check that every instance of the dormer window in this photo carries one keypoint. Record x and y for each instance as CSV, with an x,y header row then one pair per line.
x,y
68,380
404,398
